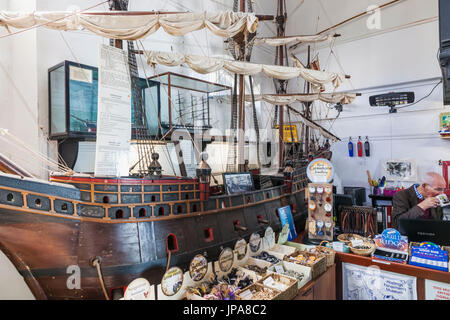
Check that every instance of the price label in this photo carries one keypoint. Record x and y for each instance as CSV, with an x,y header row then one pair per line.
x,y
279,269
247,294
338,246
268,282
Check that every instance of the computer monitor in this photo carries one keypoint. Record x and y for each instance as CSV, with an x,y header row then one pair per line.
x,y
420,230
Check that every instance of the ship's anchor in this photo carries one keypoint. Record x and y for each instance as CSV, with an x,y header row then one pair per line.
x,y
96,262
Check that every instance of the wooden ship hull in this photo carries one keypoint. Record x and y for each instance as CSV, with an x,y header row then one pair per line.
x,y
129,224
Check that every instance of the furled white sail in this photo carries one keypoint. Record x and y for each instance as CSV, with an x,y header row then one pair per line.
x,y
135,26
207,65
282,100
281,41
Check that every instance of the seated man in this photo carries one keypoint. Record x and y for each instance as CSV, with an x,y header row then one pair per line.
x,y
419,201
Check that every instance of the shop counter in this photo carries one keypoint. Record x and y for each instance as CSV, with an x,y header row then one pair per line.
x,y
322,288
439,286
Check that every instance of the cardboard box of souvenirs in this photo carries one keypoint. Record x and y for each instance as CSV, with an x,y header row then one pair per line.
x,y
258,291
299,272
287,286
227,277
316,262
271,287
250,265
266,249
257,251
277,249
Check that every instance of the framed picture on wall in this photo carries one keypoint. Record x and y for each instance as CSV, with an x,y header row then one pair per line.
x,y
236,183
444,124
400,170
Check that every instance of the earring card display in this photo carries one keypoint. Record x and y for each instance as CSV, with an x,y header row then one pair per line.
x,y
320,211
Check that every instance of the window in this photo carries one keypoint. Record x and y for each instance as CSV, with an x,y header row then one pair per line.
x,y
180,209
161,211
208,233
10,197
119,214
105,199
194,208
141,212
172,243
38,202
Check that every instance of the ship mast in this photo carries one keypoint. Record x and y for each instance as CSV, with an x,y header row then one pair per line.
x,y
241,113
281,29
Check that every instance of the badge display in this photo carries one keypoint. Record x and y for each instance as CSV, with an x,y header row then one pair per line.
x,y
255,242
172,281
198,267
138,289
240,249
226,259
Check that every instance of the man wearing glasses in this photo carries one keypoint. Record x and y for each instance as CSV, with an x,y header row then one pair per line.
x,y
419,201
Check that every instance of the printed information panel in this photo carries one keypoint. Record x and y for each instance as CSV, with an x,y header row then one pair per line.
x,y
371,283
114,114
436,290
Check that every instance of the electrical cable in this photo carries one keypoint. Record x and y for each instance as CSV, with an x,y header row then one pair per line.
x,y
431,92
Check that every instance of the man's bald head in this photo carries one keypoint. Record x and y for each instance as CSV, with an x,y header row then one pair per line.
x,y
434,184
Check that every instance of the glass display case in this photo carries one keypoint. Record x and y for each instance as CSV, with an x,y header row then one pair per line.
x,y
177,100
73,90
191,103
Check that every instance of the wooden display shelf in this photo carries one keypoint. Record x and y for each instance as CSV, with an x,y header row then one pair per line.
x,y
420,273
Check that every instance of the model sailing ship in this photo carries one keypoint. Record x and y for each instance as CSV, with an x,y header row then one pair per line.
x,y
119,229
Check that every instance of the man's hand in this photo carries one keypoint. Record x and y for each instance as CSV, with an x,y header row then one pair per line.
x,y
428,203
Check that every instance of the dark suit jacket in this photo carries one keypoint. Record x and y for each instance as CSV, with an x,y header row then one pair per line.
x,y
405,207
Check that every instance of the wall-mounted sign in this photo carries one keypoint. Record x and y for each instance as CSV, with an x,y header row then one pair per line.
x,y
138,289
369,283
240,249
255,242
320,171
289,133
436,290
198,267
226,259
172,281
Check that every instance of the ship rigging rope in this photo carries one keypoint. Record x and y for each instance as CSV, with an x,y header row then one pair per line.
x,y
39,155
165,148
96,264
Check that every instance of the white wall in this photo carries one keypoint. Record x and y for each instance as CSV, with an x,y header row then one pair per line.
x,y
18,91
401,56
